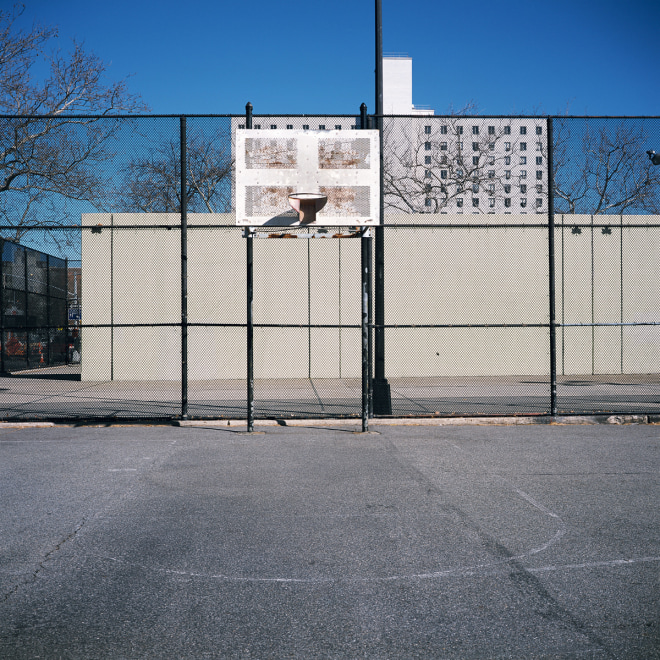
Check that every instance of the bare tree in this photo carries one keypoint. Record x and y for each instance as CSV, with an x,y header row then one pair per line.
x,y
153,183
601,167
48,150
431,170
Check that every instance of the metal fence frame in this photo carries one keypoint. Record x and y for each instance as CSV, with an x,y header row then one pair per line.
x,y
375,394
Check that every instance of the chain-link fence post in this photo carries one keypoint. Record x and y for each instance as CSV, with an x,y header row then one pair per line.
x,y
250,299
2,310
551,272
184,271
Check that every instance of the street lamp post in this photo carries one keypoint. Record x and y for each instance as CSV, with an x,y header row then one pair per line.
x,y
382,400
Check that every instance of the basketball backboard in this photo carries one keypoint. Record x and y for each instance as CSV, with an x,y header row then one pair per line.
x,y
273,165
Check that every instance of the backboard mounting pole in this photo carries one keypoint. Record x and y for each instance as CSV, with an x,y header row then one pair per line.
x,y
249,242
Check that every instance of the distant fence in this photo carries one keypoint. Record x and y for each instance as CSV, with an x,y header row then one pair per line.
x,y
514,274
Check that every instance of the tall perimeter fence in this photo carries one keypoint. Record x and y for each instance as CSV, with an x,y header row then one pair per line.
x,y
515,272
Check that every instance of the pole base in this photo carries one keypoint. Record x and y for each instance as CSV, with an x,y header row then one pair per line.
x,y
382,398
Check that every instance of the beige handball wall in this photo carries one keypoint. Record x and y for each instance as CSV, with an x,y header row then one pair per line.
x,y
445,275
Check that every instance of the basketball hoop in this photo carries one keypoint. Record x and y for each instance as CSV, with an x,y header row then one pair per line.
x,y
307,205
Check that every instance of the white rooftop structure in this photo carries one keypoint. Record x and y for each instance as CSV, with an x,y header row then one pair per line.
x,y
397,87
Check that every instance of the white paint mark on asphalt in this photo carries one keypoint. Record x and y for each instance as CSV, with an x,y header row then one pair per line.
x,y
468,571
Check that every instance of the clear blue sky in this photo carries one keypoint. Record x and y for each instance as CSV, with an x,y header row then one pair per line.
x,y
518,56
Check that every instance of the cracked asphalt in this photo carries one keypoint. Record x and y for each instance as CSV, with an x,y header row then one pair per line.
x,y
319,542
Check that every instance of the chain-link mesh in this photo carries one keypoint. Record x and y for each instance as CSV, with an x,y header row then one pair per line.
x,y
607,204
118,303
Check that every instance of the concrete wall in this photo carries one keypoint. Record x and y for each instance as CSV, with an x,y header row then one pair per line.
x,y
435,276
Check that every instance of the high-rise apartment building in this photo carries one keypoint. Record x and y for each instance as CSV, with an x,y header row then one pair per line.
x,y
458,163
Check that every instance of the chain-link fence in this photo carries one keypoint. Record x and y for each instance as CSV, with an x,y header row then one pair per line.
x,y
514,273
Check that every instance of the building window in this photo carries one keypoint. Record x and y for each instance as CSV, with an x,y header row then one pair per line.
x,y
475,160
523,174
539,175
523,146
443,174
475,146
523,189
459,130
321,127
523,202
507,130
427,160
491,130
523,160
491,160
507,188
539,160
427,174
427,202
443,130
443,160
459,172
305,127
507,146
507,160
539,188
459,202
475,130
539,146
507,202
539,130
491,174
257,126
273,126
460,146
241,125
475,201
491,146
523,130
475,187
443,146
491,188
539,202
427,146
427,130
507,174
491,202
338,127
289,126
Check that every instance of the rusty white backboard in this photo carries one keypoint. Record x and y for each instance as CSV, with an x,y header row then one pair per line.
x,y
273,164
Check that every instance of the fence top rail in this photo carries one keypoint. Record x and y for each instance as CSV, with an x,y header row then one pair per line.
x,y
232,227
305,115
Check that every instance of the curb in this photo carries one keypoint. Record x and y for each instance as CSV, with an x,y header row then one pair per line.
x,y
560,420
436,421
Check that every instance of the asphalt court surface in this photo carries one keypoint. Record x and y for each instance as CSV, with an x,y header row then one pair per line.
x,y
321,542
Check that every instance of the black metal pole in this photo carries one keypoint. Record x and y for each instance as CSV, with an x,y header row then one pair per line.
x,y
364,268
27,308
66,311
48,311
184,269
250,297
364,124
382,400
2,310
551,271
112,298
